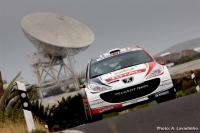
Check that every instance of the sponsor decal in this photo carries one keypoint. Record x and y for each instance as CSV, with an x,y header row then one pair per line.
x,y
164,84
125,75
162,93
97,103
131,90
128,80
134,101
104,109
123,70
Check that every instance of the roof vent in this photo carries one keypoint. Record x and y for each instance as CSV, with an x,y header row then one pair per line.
x,y
114,50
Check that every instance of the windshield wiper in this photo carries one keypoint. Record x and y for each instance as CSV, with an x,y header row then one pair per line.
x,y
97,75
129,66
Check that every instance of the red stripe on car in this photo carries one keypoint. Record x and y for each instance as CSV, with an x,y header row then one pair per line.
x,y
125,75
85,101
151,66
104,109
161,73
84,97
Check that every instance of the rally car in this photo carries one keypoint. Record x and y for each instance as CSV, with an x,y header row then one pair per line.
x,y
124,77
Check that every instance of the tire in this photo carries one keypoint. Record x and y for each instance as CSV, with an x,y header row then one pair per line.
x,y
166,98
96,118
93,118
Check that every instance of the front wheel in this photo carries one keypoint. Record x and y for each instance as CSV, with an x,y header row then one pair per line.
x,y
96,117
92,118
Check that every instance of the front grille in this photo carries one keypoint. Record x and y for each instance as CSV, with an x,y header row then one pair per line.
x,y
131,92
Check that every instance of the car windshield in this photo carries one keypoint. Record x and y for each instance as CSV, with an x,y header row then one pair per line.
x,y
117,62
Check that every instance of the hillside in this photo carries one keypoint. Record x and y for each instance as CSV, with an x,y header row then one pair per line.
x,y
190,44
173,57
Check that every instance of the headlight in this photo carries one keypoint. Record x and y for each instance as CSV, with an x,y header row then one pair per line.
x,y
156,71
96,87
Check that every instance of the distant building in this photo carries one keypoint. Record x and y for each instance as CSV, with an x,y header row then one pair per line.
x,y
197,49
169,65
164,54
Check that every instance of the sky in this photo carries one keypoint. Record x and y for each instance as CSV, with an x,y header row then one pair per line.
x,y
154,25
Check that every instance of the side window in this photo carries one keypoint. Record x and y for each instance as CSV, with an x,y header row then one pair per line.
x,y
86,73
145,57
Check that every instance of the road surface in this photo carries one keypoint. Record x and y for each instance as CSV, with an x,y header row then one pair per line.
x,y
174,116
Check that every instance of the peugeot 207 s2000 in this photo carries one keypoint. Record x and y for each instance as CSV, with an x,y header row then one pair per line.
x,y
124,77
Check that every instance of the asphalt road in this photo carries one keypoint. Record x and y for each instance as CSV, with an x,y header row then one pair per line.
x,y
175,114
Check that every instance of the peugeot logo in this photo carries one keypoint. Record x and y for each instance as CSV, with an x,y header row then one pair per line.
x,y
127,80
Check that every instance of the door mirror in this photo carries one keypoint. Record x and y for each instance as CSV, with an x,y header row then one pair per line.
x,y
81,86
162,63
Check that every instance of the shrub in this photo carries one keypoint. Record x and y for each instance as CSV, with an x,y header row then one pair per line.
x,y
108,115
10,103
54,91
69,113
187,83
72,89
186,92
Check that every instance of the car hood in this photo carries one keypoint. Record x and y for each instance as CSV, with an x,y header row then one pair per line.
x,y
126,77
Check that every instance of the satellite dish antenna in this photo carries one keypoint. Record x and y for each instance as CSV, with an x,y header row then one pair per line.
x,y
55,37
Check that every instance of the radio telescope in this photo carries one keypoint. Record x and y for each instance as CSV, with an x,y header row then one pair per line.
x,y
56,37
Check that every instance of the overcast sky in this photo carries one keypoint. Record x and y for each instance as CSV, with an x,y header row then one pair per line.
x,y
152,24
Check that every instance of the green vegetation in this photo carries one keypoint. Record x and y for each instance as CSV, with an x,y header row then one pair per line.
x,y
54,91
191,90
69,113
11,115
10,103
108,115
1,86
185,85
72,89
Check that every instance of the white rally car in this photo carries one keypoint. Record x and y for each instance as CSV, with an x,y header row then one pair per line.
x,y
124,77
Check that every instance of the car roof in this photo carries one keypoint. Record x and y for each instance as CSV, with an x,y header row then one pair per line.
x,y
116,51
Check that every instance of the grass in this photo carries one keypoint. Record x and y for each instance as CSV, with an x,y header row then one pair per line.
x,y
108,115
19,126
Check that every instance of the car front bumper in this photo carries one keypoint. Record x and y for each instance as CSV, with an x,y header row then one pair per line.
x,y
133,102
